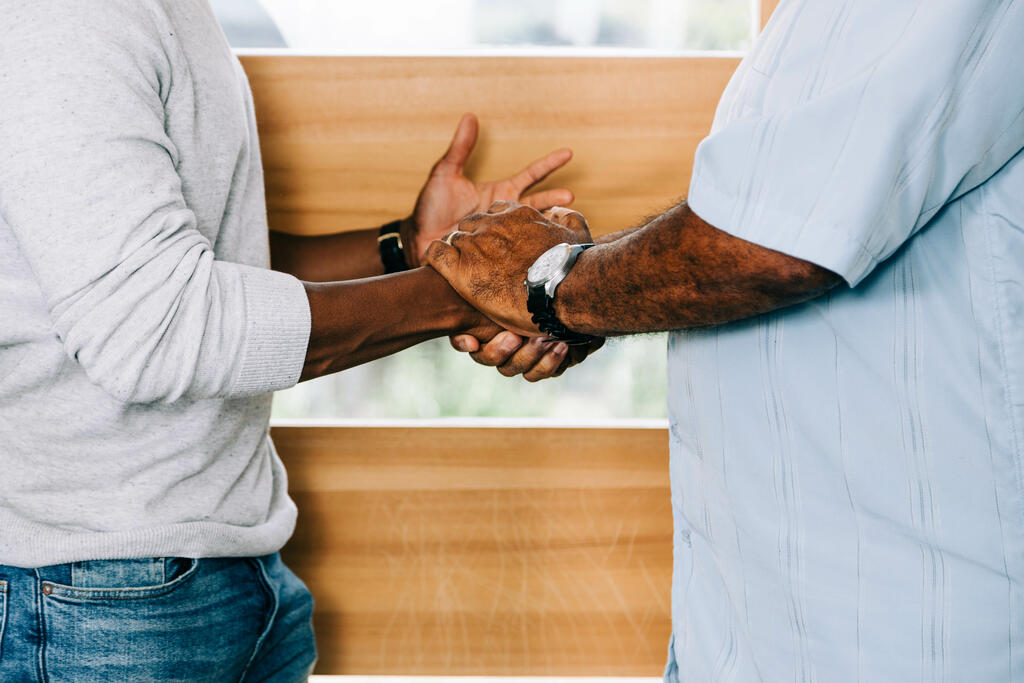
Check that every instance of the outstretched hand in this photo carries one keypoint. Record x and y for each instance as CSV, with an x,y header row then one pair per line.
x,y
446,198
448,195
486,260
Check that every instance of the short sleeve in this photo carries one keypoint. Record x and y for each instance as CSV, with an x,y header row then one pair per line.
x,y
852,124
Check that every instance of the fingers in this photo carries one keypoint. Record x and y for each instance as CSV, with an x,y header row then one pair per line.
x,y
462,145
549,198
464,342
498,350
540,169
549,365
535,359
579,353
567,218
525,357
502,206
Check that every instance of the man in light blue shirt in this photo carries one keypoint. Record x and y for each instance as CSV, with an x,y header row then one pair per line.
x,y
846,464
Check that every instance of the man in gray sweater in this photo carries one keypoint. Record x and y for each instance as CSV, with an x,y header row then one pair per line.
x,y
142,503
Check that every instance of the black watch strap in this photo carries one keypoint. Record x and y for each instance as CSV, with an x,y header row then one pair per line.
x,y
392,254
548,322
542,307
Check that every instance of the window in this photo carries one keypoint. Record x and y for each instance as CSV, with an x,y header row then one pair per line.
x,y
626,379
396,27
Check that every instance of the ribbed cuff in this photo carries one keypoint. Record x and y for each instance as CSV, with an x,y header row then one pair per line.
x,y
277,325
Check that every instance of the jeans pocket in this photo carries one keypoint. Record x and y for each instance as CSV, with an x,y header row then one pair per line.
x,y
123,580
201,625
3,615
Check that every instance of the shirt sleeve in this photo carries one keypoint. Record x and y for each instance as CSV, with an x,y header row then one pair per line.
x,y
89,187
851,124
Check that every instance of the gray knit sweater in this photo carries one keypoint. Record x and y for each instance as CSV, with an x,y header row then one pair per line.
x,y
140,330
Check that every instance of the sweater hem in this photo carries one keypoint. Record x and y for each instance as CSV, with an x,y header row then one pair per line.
x,y
29,544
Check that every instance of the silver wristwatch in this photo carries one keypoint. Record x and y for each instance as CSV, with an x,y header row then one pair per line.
x,y
542,279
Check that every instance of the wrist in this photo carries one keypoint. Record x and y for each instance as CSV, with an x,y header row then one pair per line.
x,y
466,319
410,241
452,314
544,281
570,303
359,320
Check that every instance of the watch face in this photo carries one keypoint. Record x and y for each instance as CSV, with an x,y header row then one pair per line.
x,y
548,264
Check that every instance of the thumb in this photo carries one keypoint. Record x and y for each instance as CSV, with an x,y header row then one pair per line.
x,y
443,258
461,146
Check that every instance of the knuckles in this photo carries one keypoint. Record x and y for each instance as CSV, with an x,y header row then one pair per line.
x,y
485,358
508,370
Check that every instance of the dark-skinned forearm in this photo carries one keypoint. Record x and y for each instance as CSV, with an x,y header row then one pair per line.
x,y
678,272
616,236
326,258
329,258
360,320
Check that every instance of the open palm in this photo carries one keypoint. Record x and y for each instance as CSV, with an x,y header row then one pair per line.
x,y
448,195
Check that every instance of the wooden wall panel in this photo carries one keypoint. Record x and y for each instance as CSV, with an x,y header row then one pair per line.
x,y
767,7
347,141
480,551
484,550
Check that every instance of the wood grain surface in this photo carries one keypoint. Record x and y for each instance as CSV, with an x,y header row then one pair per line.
x,y
347,141
767,7
513,551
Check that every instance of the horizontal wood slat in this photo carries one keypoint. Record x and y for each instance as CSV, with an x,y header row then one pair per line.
x,y
515,551
347,141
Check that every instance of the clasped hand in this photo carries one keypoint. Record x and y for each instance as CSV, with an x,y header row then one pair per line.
x,y
485,260
447,196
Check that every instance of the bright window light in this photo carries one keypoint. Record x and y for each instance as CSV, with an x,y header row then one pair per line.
x,y
398,27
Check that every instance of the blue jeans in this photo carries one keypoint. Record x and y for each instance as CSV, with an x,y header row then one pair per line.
x,y
156,619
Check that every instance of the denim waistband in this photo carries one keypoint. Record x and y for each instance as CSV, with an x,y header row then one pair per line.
x,y
114,573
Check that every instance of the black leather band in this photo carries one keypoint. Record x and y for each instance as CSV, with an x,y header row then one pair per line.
x,y
551,326
542,307
392,255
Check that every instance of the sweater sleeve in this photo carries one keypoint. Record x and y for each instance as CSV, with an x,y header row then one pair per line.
x,y
89,186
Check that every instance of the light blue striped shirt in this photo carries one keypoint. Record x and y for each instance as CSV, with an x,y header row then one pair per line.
x,y
847,474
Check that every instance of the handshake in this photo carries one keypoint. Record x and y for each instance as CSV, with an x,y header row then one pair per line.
x,y
675,271
480,298
485,260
